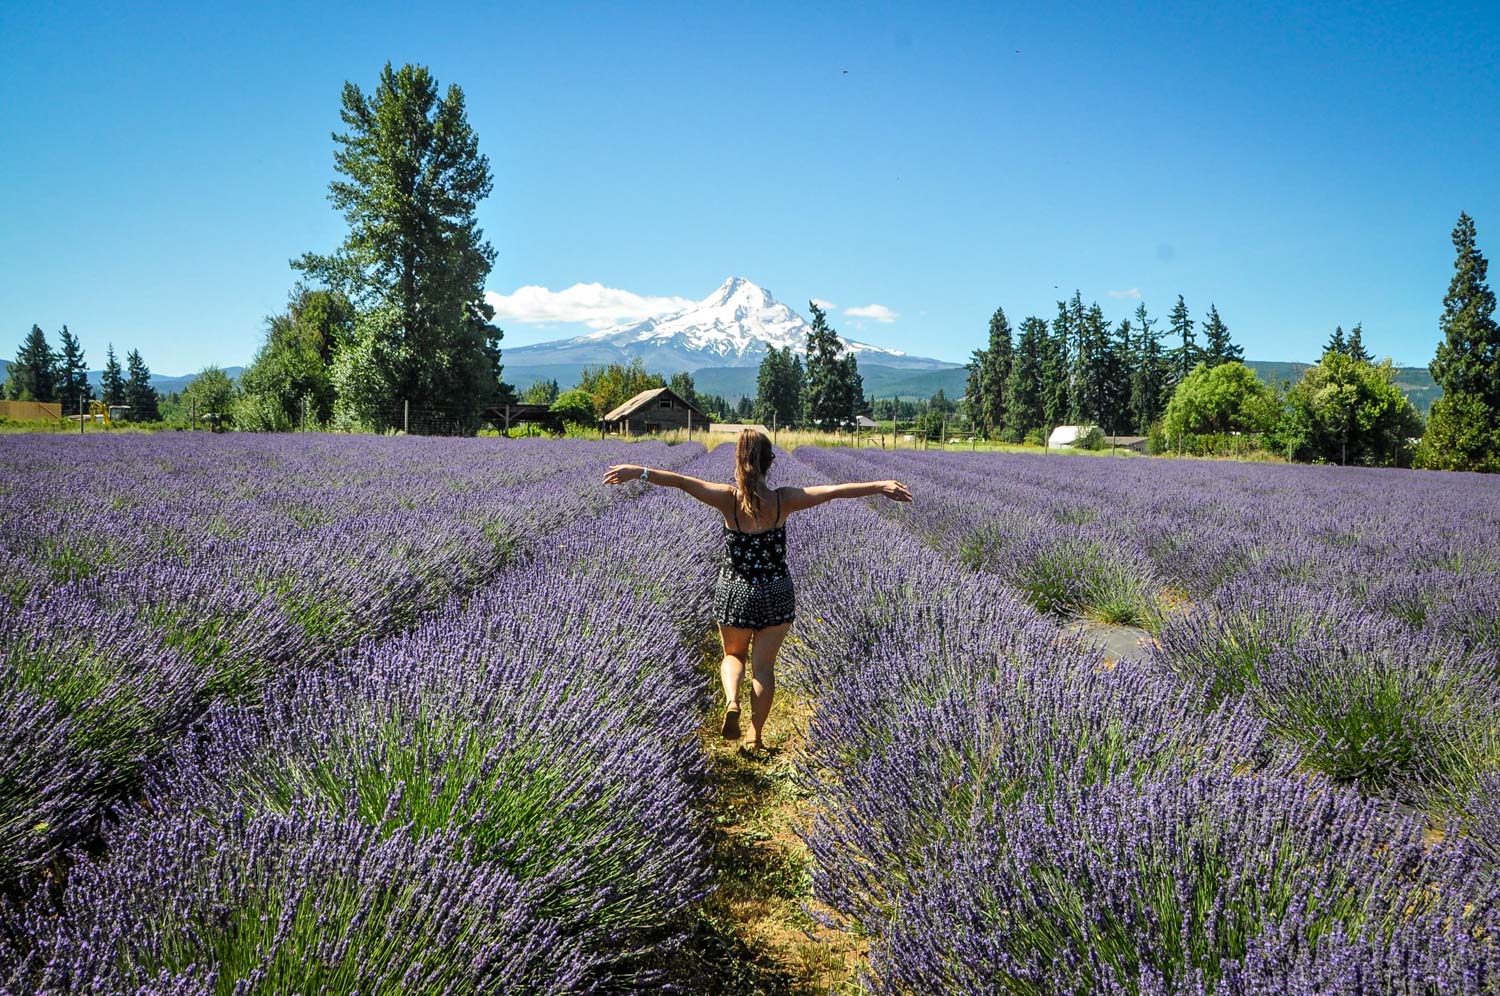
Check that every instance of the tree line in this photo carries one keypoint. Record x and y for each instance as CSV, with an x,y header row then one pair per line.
x,y
1079,369
1200,397
40,373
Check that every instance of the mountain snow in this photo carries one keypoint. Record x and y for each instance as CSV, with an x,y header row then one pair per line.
x,y
735,326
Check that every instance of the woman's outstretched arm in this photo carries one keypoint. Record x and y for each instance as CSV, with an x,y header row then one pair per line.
x,y
799,498
720,496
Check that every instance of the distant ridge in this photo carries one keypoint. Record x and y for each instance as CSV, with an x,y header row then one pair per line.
x,y
164,383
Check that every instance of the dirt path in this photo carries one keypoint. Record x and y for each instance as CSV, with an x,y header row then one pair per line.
x,y
756,933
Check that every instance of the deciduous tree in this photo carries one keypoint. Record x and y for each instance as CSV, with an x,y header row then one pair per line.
x,y
412,177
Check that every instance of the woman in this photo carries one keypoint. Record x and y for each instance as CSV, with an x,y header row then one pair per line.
x,y
754,602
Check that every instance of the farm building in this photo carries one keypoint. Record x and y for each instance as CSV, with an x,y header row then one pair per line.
x,y
506,417
865,424
655,411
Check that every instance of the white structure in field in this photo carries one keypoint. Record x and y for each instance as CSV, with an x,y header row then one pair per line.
x,y
1066,435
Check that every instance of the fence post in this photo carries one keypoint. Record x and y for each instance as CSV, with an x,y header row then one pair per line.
x,y
406,417
80,414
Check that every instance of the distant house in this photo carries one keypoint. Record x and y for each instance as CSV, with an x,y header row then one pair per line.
x,y
864,422
1136,444
656,410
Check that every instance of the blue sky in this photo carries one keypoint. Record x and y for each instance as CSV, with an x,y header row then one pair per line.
x,y
1298,167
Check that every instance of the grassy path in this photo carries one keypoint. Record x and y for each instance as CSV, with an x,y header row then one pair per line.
x,y
756,933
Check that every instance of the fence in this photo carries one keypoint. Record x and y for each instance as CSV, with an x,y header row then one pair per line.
x,y
30,411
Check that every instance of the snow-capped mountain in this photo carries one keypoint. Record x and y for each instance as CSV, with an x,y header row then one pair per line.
x,y
735,326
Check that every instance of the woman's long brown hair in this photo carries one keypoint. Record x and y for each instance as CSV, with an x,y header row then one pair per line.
x,y
752,461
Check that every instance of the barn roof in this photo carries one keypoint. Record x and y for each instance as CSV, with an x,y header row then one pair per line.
x,y
646,397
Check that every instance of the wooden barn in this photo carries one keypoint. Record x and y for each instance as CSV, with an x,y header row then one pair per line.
x,y
656,410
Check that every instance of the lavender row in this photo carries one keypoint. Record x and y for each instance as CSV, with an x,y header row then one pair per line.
x,y
100,674
1120,535
1001,811
503,799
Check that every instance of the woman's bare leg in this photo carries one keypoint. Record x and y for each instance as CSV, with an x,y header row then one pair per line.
x,y
732,670
763,676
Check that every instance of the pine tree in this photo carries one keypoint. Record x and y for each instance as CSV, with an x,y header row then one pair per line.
x,y
1119,364
1025,409
33,373
1463,431
779,389
1095,365
1149,388
1336,342
1186,355
1056,373
827,391
1468,358
1356,345
997,358
72,373
139,394
976,392
1218,348
112,383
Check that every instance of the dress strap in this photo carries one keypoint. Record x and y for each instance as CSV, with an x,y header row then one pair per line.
x,y
778,506
736,511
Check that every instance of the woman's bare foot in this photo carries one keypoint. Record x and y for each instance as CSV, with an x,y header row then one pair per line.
x,y
731,729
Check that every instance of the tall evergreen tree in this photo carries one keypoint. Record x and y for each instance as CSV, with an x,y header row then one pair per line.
x,y
139,394
1025,407
779,389
975,392
1120,362
112,383
998,357
1149,376
1356,345
1217,346
33,373
827,392
1095,366
1186,354
1463,432
1055,370
413,177
1468,358
72,373
1336,342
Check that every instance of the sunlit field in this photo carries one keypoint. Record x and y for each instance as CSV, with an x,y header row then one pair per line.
x,y
312,713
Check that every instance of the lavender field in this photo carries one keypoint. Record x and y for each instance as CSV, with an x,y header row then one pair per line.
x,y
301,714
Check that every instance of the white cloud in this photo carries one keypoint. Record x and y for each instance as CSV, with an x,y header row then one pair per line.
x,y
878,312
593,305
1134,292
825,305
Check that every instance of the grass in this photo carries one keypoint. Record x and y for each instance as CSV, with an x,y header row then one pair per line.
x,y
757,933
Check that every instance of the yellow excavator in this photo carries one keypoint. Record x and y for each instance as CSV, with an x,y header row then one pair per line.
x,y
97,408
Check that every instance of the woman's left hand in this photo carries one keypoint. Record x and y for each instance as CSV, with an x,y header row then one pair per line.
x,y
622,472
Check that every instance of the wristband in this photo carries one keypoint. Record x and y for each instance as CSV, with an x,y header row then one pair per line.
x,y
645,474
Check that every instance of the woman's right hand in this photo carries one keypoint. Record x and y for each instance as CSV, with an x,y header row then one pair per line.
x,y
895,490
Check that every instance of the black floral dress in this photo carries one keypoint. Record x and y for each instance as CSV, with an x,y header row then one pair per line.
x,y
755,587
